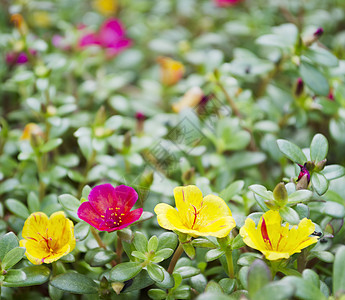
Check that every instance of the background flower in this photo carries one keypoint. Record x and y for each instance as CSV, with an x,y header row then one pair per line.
x,y
274,240
195,215
109,208
47,240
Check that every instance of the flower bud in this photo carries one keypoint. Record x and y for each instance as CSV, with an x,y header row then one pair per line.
x,y
304,171
321,164
171,70
299,87
280,194
303,182
190,99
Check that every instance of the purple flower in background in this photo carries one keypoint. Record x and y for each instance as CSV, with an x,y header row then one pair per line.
x,y
13,58
109,208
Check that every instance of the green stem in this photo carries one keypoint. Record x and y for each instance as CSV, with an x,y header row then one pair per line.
x,y
119,249
40,168
231,102
230,263
175,258
89,164
97,238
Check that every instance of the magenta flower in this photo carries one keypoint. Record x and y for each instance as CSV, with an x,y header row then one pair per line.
x,y
111,37
223,3
13,58
304,171
109,208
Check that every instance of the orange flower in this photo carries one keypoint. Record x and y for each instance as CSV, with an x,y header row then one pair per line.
x,y
171,70
19,22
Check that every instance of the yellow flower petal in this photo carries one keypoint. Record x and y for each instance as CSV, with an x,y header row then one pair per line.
x,y
47,240
274,240
195,215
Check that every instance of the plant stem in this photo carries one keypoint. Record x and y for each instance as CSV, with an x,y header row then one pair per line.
x,y
231,102
89,164
230,263
119,249
98,238
177,255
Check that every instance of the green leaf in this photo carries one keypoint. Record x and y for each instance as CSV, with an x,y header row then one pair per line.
x,y
69,202
246,259
303,288
227,284
12,257
125,271
339,272
33,202
51,145
333,171
292,151
198,282
330,208
314,79
232,190
155,272
74,283
85,145
141,281
289,215
203,243
318,148
275,290
312,277
99,257
261,191
35,275
17,208
140,242
157,294
182,292
322,57
152,244
320,183
167,240
258,276
164,253
139,255
8,242
300,196
14,276
187,271
189,250
324,256
214,254
81,230
213,286
168,281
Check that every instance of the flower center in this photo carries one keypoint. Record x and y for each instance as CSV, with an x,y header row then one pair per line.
x,y
112,217
47,243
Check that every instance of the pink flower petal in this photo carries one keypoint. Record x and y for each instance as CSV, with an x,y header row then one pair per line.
x,y
130,218
89,40
88,214
126,197
102,197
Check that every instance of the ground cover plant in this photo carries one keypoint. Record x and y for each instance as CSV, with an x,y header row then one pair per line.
x,y
172,149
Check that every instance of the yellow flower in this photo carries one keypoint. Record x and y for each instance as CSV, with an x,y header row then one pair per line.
x,y
195,215
105,7
274,240
190,99
31,129
47,240
171,70
41,19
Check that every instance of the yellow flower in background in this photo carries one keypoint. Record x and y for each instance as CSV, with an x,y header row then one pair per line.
x,y
31,129
195,215
274,240
41,19
105,7
171,70
47,240
190,99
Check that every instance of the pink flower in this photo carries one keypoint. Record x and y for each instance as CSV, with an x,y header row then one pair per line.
x,y
223,3
111,37
109,208
60,42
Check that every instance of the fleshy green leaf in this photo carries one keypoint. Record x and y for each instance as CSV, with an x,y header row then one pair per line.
x,y
140,242
314,79
69,202
35,275
187,271
258,276
155,272
292,151
320,183
14,277
51,145
339,272
289,215
152,244
300,196
278,290
74,283
213,254
99,257
17,208
232,190
125,271
8,242
167,240
333,171
12,257
318,148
